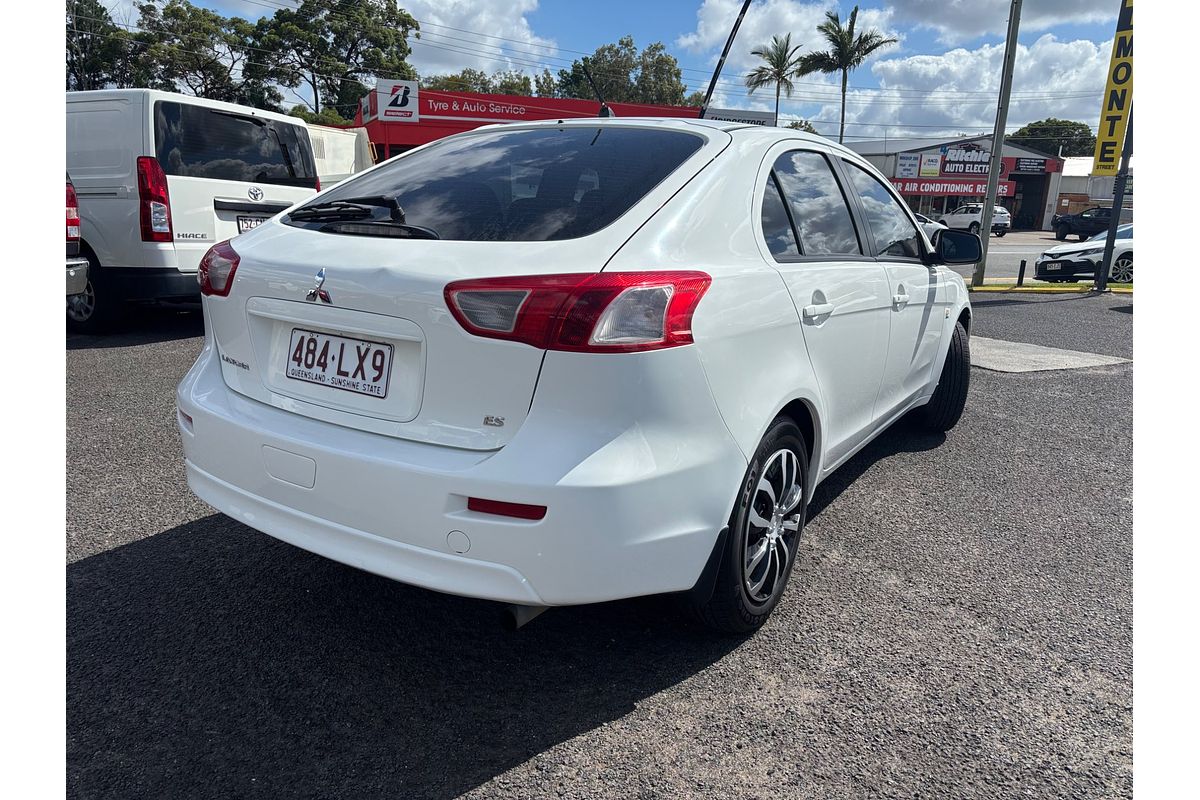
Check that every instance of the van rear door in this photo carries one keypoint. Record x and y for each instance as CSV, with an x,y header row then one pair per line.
x,y
227,172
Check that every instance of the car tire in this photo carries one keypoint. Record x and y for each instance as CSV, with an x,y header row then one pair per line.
x,y
950,397
1122,269
97,309
1083,237
974,228
1061,233
1001,233
764,531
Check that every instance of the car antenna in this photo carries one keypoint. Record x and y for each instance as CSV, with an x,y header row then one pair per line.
x,y
605,111
721,63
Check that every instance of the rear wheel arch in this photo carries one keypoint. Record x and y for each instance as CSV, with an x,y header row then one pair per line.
x,y
801,412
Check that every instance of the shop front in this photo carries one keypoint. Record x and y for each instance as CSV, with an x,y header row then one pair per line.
x,y
400,115
935,177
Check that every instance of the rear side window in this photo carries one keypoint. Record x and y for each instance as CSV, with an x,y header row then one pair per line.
x,y
198,142
527,185
892,230
817,203
777,228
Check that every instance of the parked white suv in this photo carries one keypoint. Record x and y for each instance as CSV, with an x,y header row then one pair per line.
x,y
569,362
160,178
969,217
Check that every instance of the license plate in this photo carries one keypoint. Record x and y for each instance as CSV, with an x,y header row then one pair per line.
x,y
249,223
1052,266
353,365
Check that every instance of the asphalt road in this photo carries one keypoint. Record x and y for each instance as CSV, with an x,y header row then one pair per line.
x,y
959,624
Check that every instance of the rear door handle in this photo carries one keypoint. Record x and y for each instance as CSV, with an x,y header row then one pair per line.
x,y
899,300
817,310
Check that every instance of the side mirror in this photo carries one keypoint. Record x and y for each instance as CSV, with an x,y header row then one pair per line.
x,y
956,247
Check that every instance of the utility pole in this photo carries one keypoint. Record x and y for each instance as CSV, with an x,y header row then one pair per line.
x,y
1105,267
989,202
724,54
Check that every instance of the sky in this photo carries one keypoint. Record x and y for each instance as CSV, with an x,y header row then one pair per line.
x,y
943,75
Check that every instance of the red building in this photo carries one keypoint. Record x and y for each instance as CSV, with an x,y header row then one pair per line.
x,y
399,115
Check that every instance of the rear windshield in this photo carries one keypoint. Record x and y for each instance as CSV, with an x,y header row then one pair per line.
x,y
528,185
198,142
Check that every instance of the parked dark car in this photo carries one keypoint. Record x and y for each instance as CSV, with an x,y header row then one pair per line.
x,y
77,266
1086,223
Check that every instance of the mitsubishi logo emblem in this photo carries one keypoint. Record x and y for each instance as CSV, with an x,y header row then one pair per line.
x,y
317,292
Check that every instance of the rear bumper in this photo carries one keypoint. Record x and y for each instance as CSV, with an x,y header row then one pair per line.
x,y
634,505
153,283
77,275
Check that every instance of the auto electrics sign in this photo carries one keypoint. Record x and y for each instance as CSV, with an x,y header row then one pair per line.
x,y
968,159
1118,96
399,101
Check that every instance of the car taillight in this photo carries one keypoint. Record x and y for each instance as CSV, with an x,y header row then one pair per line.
x,y
217,268
605,312
72,214
154,201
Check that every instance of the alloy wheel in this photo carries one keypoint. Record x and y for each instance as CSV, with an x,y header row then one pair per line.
x,y
772,525
1122,270
80,307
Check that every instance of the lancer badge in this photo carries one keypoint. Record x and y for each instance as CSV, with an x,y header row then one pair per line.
x,y
317,291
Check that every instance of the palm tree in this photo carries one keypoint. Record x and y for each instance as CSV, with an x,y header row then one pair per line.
x,y
846,51
782,64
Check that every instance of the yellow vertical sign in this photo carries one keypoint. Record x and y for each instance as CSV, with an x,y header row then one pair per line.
x,y
1118,96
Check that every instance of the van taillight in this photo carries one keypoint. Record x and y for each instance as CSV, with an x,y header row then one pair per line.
x,y
72,215
604,312
155,203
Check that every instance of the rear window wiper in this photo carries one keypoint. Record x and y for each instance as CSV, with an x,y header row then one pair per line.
x,y
351,208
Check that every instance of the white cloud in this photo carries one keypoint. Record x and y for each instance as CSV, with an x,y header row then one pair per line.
x,y
444,49
764,20
958,89
961,20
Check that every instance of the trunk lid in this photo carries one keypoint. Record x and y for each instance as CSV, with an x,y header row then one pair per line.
x,y
445,385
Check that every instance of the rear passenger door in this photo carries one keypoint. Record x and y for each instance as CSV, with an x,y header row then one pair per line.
x,y
840,291
918,293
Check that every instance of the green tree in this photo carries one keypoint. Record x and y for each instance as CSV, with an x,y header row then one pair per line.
x,y
659,79
200,52
1047,135
847,50
100,54
545,85
694,99
623,75
802,125
468,80
512,82
781,64
328,116
331,47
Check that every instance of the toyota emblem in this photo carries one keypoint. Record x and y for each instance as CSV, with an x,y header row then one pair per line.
x,y
255,193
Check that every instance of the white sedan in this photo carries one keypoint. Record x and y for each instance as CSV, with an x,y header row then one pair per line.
x,y
1078,260
560,363
930,226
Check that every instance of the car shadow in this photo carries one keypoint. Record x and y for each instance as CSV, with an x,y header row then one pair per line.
x,y
1123,309
213,661
906,435
145,325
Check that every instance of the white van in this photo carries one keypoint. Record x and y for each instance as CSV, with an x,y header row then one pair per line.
x,y
160,178
340,152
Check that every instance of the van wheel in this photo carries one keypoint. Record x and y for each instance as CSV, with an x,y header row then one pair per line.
x,y
950,397
974,228
764,532
1061,232
96,309
1000,233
